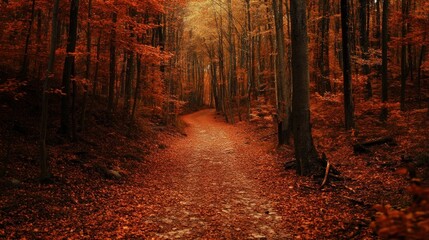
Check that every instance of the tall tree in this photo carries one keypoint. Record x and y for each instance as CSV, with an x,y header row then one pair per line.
x,y
323,51
88,64
232,70
364,44
384,59
404,72
283,84
24,69
112,65
45,172
304,148
347,76
69,67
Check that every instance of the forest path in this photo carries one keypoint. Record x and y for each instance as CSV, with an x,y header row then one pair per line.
x,y
205,188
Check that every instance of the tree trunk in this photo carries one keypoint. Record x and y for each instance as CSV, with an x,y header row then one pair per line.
x,y
138,83
37,66
232,72
384,40
404,73
419,74
303,140
45,172
384,50
88,65
68,71
283,85
364,44
128,83
25,63
250,60
377,22
348,96
112,66
97,66
323,56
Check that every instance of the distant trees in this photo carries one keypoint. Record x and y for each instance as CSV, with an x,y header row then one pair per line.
x,y
259,47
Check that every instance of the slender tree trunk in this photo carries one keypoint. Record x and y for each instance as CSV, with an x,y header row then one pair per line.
x,y
419,74
88,65
363,26
128,83
37,66
232,73
303,140
377,34
283,85
250,59
97,65
348,93
384,40
73,108
68,71
213,73
404,73
45,172
138,83
25,63
222,78
323,56
112,66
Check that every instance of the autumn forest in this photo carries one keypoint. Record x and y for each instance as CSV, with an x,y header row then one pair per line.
x,y
214,119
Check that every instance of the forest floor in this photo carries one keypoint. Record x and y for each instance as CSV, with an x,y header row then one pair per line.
x,y
210,181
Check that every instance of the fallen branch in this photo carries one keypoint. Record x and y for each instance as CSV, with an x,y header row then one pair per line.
x,y
324,161
358,148
325,179
363,146
290,164
356,201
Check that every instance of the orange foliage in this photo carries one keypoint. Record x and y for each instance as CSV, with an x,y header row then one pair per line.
x,y
409,223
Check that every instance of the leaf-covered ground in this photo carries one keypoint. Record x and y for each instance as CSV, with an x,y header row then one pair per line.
x,y
215,181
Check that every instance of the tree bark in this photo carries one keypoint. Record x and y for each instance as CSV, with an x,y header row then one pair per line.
x,y
303,140
25,63
384,59
45,172
128,83
88,65
68,71
404,73
348,93
283,84
323,57
138,83
419,74
384,82
250,60
232,73
364,44
112,66
97,66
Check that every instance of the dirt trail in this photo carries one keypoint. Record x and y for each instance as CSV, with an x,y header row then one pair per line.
x,y
206,187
